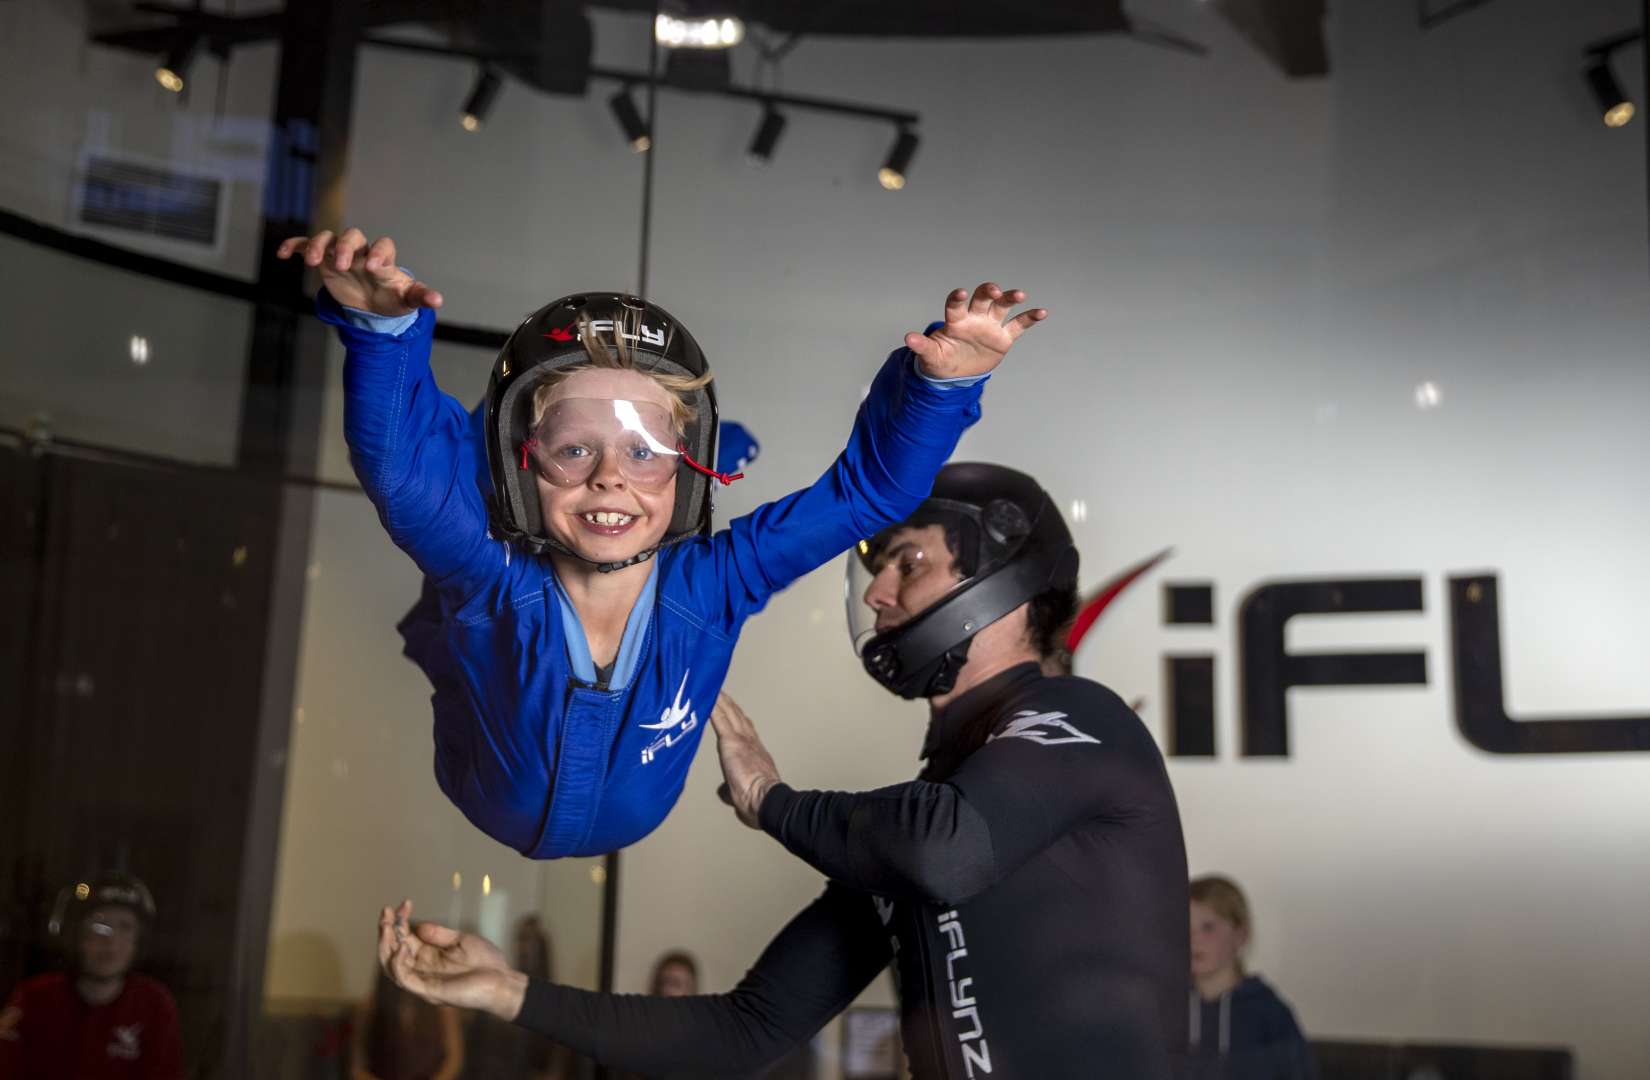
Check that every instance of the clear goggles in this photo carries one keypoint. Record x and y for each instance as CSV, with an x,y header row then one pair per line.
x,y
577,438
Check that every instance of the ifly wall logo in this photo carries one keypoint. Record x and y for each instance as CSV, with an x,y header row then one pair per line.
x,y
1267,669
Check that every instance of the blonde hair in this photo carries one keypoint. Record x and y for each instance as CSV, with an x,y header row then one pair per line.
x,y
617,355
1222,896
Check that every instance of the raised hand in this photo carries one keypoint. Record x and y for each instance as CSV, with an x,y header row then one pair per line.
x,y
446,967
361,275
747,767
975,337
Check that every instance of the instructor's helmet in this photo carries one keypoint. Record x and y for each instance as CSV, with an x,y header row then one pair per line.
x,y
1009,544
551,340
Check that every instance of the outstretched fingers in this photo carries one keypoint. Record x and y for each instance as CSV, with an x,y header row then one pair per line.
x,y
441,937
403,968
386,937
315,249
344,251
1024,321
381,256
419,294
985,297
1006,302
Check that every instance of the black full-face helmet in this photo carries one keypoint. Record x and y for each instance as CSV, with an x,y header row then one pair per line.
x,y
552,340
75,902
1009,543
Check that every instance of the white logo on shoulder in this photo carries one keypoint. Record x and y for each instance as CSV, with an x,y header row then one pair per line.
x,y
125,1044
676,721
1045,729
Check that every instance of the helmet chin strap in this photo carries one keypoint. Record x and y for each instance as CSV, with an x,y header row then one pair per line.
x,y
552,544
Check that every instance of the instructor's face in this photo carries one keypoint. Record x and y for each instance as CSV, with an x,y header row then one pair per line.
x,y
914,571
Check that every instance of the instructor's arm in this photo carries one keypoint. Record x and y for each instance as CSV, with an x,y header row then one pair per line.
x,y
827,954
948,841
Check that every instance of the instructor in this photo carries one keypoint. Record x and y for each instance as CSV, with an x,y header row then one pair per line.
x,y
1029,887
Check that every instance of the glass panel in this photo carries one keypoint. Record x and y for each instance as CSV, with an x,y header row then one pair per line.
x,y
116,359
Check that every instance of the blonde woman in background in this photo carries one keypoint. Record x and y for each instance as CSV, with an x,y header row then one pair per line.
x,y
1240,1029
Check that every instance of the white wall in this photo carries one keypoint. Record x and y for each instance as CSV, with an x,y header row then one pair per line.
x,y
1249,278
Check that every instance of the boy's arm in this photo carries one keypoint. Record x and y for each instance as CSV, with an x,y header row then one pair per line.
x,y
407,439
411,447
926,395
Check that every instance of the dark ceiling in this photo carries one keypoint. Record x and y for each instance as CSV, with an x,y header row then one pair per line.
x,y
1288,32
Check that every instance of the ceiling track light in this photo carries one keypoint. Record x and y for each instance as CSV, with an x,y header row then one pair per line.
x,y
174,67
480,102
1615,106
892,173
767,135
630,121
674,33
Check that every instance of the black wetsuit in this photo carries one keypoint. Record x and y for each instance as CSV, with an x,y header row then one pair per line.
x,y
1030,890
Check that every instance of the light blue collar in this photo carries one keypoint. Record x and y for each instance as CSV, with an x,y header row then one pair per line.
x,y
630,646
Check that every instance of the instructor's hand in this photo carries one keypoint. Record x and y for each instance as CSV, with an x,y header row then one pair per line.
x,y
360,275
747,766
446,967
975,337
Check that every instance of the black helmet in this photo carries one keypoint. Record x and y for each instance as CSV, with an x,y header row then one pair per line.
x,y
75,902
1010,544
550,340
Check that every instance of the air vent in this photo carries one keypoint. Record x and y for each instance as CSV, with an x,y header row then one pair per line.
x,y
137,198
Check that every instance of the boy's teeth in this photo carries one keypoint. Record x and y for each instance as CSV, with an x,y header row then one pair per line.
x,y
605,518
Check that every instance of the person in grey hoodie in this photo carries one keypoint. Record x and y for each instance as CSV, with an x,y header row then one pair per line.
x,y
1239,1028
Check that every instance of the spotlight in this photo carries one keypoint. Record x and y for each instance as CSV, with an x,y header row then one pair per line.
x,y
630,121
892,173
1612,101
481,99
674,33
767,135
175,67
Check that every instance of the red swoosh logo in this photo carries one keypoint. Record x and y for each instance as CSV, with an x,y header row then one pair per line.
x,y
1098,601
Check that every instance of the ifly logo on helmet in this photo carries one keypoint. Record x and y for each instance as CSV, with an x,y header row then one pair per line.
x,y
646,334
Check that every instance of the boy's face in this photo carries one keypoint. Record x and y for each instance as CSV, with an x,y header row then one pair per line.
x,y
623,502
108,942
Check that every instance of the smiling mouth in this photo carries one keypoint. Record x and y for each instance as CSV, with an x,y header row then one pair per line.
x,y
607,523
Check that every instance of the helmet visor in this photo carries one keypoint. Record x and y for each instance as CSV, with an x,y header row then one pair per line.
x,y
578,437
904,570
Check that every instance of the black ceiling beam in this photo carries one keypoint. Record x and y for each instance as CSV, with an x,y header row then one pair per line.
x,y
641,78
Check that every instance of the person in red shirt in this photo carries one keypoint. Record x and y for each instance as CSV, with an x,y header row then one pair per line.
x,y
99,1020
